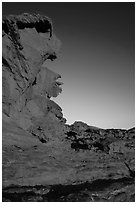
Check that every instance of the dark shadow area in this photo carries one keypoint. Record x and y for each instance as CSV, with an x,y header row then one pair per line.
x,y
64,193
41,26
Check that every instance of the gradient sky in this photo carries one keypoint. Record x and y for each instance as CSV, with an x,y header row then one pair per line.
x,y
96,62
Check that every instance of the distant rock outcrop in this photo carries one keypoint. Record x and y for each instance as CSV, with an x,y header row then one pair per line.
x,y
43,158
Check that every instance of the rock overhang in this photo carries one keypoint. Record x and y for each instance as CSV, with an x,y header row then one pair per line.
x,y
40,22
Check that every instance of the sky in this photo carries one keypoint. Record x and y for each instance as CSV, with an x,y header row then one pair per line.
x,y
96,61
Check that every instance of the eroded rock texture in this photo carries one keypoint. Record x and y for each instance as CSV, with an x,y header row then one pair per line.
x,y
28,41
43,158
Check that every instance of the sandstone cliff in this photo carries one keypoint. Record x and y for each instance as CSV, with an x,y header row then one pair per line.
x,y
28,41
45,159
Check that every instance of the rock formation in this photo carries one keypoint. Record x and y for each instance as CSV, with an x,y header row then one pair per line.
x,y
28,41
45,159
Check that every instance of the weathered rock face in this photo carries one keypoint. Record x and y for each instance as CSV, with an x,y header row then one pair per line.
x,y
28,41
43,158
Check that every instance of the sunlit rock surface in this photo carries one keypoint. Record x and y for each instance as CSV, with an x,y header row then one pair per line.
x,y
43,158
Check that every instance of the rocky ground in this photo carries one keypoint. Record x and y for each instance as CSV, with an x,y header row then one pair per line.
x,y
56,171
44,159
